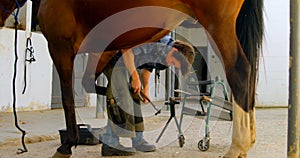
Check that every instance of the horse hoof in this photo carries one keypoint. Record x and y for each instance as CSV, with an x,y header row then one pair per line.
x,y
60,155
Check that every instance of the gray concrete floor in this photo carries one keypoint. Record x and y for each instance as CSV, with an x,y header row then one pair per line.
x,y
42,132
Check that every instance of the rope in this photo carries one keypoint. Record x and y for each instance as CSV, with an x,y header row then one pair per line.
x,y
14,79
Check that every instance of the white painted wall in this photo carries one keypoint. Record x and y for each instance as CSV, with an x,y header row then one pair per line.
x,y
39,73
273,80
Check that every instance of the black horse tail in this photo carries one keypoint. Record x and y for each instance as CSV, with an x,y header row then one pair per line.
x,y
34,16
250,30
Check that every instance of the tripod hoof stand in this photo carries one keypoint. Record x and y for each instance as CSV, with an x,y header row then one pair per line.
x,y
208,99
172,102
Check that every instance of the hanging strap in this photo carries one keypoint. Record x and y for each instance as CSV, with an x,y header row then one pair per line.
x,y
29,57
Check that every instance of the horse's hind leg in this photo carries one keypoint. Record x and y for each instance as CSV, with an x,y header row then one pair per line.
x,y
95,66
64,61
241,135
252,126
89,77
237,68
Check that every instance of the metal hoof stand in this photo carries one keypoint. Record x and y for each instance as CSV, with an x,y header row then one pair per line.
x,y
172,102
207,99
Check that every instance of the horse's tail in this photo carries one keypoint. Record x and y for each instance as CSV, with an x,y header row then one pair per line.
x,y
250,29
35,9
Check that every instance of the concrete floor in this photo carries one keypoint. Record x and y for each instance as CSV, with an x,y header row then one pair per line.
x,y
43,126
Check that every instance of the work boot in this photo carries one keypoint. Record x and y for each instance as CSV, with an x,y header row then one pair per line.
x,y
111,145
140,144
118,150
144,146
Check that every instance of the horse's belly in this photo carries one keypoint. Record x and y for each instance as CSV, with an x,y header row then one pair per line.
x,y
131,27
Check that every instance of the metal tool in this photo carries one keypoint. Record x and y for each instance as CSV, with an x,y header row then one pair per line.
x,y
143,97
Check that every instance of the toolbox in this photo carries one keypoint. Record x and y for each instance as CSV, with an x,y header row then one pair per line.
x,y
87,135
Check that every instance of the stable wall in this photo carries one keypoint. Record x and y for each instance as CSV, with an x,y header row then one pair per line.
x,y
39,73
273,71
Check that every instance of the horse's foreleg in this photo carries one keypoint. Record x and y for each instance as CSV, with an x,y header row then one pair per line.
x,y
70,118
64,65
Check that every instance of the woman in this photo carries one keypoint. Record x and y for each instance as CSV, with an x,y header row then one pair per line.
x,y
123,106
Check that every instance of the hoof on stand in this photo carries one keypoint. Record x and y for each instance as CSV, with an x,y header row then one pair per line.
x,y
60,155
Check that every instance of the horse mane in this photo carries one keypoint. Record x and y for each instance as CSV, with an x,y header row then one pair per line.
x,y
250,30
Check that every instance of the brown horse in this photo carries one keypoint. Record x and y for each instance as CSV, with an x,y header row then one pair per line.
x,y
234,28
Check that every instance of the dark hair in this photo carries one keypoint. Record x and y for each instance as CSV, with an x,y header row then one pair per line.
x,y
185,54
